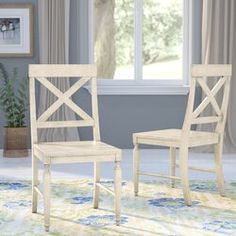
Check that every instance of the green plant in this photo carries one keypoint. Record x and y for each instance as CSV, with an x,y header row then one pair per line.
x,y
13,97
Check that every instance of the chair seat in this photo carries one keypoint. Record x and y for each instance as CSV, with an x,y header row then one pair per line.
x,y
79,151
172,137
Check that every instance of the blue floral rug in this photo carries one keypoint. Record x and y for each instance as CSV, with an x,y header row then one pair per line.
x,y
159,210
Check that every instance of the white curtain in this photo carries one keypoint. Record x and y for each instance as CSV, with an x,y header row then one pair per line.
x,y
54,24
219,46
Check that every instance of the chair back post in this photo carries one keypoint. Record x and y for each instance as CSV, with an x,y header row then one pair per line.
x,y
34,133
96,128
190,105
41,73
200,74
224,107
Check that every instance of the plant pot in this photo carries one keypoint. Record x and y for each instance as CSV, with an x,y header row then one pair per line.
x,y
15,142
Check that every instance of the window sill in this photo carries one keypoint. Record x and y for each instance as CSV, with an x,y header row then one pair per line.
x,y
141,89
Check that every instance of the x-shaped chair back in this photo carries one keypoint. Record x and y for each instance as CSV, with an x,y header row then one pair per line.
x,y
85,73
221,74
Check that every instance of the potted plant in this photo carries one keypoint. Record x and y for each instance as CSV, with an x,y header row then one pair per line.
x,y
14,104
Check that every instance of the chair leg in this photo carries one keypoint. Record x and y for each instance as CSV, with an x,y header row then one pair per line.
x,y
35,183
97,174
219,167
46,196
117,186
173,164
136,163
183,152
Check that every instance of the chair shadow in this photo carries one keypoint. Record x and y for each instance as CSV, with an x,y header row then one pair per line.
x,y
213,193
125,226
117,229
104,228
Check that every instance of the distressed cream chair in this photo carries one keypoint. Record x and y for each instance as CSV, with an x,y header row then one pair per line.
x,y
69,152
185,138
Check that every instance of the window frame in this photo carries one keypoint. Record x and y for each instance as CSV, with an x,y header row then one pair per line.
x,y
139,86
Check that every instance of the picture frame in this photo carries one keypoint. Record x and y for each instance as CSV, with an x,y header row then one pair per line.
x,y
16,30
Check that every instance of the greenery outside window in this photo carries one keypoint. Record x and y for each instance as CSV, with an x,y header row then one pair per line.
x,y
140,46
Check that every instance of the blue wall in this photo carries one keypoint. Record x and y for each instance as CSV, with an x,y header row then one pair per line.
x,y
120,116
20,63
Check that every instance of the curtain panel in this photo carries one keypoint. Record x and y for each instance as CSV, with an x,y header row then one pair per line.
x,y
219,47
54,25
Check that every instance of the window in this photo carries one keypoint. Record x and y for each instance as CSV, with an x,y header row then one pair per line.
x,y
140,43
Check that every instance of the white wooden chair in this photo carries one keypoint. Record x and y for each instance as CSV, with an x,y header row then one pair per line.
x,y
69,152
185,138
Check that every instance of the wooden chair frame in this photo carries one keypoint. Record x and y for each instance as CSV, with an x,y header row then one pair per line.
x,y
86,73
200,74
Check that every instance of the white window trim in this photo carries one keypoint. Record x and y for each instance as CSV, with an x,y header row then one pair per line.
x,y
139,86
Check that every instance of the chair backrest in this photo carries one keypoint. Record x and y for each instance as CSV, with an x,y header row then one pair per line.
x,y
43,73
220,76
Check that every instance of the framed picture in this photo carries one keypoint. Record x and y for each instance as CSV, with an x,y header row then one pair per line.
x,y
16,30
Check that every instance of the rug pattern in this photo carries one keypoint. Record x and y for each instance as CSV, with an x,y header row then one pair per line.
x,y
158,210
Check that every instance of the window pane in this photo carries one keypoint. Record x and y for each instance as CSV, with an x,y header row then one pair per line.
x,y
114,38
162,39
